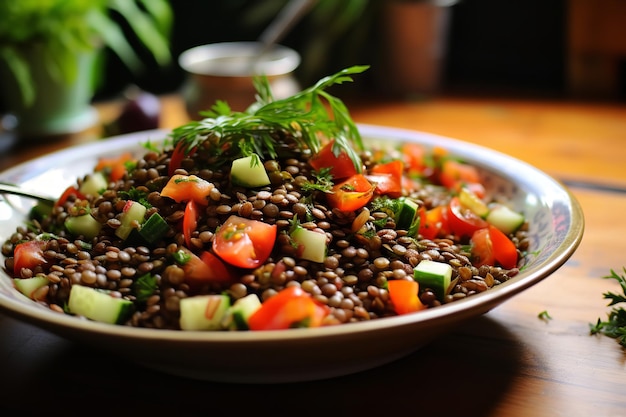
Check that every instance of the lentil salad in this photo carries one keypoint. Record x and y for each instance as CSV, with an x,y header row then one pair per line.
x,y
225,238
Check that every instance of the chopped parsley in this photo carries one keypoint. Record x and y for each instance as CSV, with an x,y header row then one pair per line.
x,y
144,287
135,194
544,315
323,181
181,257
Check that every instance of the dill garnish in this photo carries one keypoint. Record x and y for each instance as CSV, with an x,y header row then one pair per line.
x,y
615,325
308,117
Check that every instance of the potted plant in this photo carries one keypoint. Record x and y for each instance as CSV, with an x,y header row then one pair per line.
x,y
51,55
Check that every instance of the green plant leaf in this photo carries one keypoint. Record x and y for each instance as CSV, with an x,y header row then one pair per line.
x,y
144,27
114,38
19,68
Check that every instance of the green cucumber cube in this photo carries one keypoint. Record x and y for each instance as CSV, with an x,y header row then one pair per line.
x,y
249,172
84,225
98,305
311,244
28,286
434,275
94,184
505,219
203,312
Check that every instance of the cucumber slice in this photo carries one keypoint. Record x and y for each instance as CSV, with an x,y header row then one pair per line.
x,y
154,228
94,184
203,312
407,217
249,172
98,305
311,245
505,219
84,225
132,216
240,312
28,286
434,275
150,232
40,211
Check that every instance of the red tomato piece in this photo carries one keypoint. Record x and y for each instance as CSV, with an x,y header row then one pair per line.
x,y
190,220
29,255
432,222
386,185
69,191
178,154
115,167
243,242
414,156
187,187
461,221
455,174
341,166
404,296
482,248
206,268
291,307
352,194
504,250
395,168
388,178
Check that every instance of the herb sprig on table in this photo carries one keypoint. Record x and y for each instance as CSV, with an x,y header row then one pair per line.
x,y
615,325
307,116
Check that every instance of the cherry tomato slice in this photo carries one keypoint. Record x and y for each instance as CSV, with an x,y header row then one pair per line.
x,y
482,248
243,242
414,156
69,191
504,250
461,221
115,168
432,222
187,187
352,194
205,268
341,166
29,255
455,174
178,154
404,296
289,308
388,178
190,221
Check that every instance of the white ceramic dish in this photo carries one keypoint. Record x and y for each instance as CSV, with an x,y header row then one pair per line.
x,y
556,229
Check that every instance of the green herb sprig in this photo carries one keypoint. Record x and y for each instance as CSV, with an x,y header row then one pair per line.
x,y
308,117
615,325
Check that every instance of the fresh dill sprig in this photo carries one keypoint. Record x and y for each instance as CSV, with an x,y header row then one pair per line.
x,y
615,325
308,117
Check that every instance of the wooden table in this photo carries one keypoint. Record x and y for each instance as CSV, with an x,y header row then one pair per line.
x,y
507,363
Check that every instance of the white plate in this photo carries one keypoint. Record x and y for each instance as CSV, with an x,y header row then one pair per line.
x,y
556,228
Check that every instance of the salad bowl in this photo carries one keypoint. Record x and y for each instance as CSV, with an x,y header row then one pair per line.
x,y
556,226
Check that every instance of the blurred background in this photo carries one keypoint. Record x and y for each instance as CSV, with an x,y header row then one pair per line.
x,y
416,48
556,48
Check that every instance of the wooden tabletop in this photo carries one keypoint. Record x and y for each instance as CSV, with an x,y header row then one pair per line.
x,y
508,362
